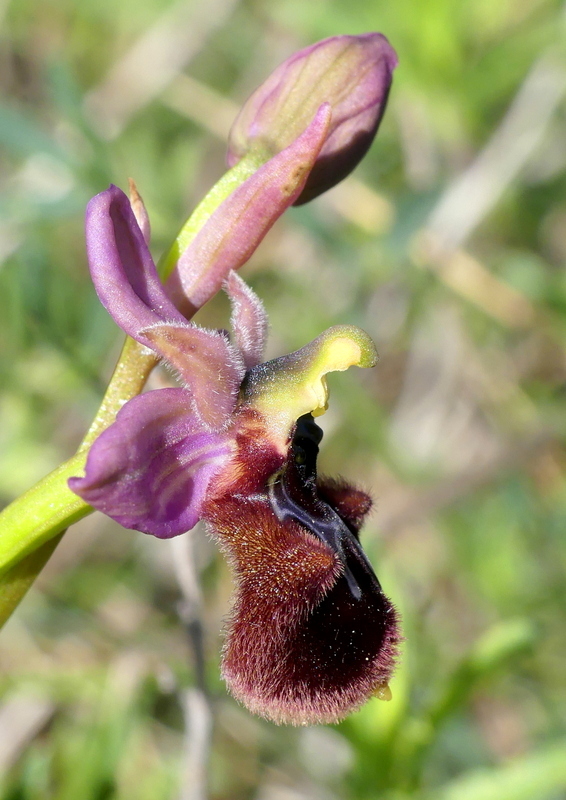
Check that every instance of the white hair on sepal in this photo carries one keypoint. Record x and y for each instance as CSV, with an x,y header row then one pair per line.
x,y
248,320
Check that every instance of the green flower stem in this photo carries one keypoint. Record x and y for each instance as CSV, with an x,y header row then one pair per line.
x,y
41,513
29,525
33,525
17,580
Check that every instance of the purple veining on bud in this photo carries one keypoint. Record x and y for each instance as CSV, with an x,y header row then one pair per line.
x,y
352,73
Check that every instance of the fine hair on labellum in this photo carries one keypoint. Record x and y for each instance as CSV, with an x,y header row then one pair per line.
x,y
300,648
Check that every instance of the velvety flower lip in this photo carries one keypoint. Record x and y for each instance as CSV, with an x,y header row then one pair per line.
x,y
293,496
311,635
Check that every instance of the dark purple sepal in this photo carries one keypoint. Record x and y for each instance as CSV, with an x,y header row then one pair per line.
x,y
151,468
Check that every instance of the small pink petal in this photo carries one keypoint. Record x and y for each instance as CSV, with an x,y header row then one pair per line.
x,y
248,321
206,362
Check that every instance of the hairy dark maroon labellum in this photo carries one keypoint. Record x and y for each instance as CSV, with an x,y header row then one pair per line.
x,y
350,503
311,634
293,494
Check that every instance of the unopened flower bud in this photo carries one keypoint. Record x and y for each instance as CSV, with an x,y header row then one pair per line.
x,y
352,73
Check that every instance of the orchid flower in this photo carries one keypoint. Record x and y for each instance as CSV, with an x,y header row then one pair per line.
x,y
311,634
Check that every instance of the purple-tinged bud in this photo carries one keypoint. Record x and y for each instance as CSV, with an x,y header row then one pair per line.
x,y
352,73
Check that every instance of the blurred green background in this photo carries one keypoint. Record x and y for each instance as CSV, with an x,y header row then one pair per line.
x,y
448,246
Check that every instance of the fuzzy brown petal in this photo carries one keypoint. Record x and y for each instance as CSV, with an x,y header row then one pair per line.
x,y
300,648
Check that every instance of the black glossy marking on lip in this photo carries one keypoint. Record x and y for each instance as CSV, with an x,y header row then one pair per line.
x,y
293,495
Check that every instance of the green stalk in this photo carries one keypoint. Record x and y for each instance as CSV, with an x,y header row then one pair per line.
x,y
17,579
41,513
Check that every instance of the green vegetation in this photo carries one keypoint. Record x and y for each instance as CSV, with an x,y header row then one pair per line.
x,y
448,246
